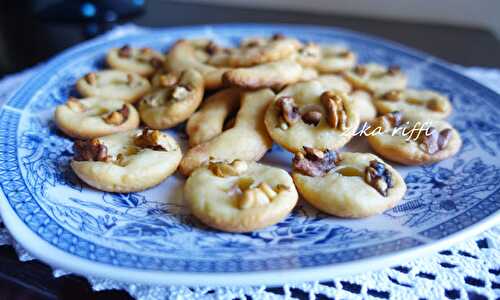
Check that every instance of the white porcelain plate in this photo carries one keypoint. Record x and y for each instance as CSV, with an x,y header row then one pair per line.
x,y
150,236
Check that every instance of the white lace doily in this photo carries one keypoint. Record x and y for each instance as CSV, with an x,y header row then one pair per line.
x,y
470,270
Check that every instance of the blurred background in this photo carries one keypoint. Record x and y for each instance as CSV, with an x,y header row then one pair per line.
x,y
461,31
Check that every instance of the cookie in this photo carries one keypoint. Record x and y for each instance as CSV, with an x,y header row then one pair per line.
x,y
413,142
246,140
315,113
143,61
128,161
194,54
93,117
255,51
335,58
240,196
376,79
414,104
362,104
273,74
208,121
113,84
174,101
347,185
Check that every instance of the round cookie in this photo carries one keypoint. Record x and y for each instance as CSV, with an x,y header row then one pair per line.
x,y
246,140
347,185
413,142
414,104
194,54
128,161
113,84
335,58
93,117
143,61
362,104
173,102
208,121
254,51
273,74
240,196
316,113
375,78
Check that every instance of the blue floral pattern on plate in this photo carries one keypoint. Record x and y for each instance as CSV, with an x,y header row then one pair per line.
x,y
153,230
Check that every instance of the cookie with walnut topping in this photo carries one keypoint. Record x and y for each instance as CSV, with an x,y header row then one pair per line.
x,y
315,113
335,58
194,54
93,117
413,142
174,101
347,185
240,196
143,61
113,84
414,104
376,79
128,161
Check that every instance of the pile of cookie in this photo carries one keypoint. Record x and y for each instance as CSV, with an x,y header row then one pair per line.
x,y
237,102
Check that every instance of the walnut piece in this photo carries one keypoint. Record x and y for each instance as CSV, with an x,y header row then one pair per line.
x,y
261,195
433,141
125,51
117,117
75,105
91,78
393,70
224,169
360,70
312,117
379,177
288,110
90,150
168,80
156,62
336,115
314,162
436,105
151,139
393,95
388,121
180,92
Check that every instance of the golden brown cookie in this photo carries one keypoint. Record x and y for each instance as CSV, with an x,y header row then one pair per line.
x,y
376,79
194,54
143,61
94,117
315,113
173,101
128,161
414,104
240,196
113,84
347,185
413,142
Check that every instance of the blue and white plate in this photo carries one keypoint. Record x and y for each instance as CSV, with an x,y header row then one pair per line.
x,y
150,236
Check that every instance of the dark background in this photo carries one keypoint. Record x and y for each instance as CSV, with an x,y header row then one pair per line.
x,y
30,34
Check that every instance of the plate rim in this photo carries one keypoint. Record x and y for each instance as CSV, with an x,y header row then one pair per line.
x,y
69,262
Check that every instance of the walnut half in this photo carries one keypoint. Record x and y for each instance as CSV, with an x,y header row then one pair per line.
x,y
151,139
224,169
90,150
377,176
433,141
314,162
117,117
288,110
336,115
